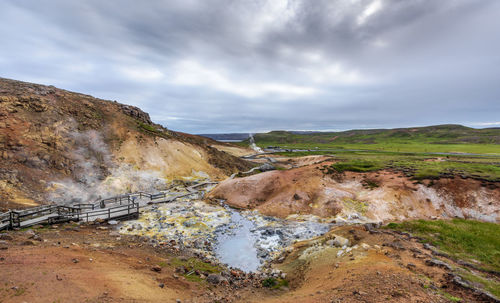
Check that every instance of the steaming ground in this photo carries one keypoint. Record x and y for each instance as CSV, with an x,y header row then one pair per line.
x,y
96,175
240,239
59,146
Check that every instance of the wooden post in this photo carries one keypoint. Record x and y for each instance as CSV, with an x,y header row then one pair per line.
x,y
11,223
109,213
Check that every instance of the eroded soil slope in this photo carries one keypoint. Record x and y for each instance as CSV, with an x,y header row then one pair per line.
x,y
57,145
375,196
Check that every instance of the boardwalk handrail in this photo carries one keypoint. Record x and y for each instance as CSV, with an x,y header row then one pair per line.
x,y
132,208
113,207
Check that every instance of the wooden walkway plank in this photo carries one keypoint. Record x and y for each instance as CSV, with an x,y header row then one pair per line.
x,y
122,206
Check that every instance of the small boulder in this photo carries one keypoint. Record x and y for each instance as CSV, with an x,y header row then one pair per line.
x,y
365,246
5,237
156,268
266,167
189,223
340,241
37,238
215,279
30,233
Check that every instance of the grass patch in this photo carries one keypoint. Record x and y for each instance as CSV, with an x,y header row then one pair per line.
x,y
196,264
357,166
274,283
449,297
463,239
193,265
416,165
147,127
491,286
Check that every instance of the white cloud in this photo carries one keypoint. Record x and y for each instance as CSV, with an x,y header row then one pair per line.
x,y
272,15
334,74
370,10
487,123
142,73
192,73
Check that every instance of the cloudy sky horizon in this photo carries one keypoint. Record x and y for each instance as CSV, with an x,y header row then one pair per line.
x,y
250,66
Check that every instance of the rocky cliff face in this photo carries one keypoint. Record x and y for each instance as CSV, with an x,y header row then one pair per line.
x,y
58,146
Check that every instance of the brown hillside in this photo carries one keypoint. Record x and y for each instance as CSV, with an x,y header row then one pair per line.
x,y
57,145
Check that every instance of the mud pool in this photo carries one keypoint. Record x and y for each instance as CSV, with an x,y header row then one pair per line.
x,y
240,239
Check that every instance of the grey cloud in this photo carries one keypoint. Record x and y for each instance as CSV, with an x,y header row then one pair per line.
x,y
230,66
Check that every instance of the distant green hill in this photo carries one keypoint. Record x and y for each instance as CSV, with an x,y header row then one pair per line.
x,y
439,134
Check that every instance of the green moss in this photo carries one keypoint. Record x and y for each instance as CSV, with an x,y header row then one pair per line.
x,y
194,264
274,283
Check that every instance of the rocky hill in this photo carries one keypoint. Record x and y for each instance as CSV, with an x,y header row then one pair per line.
x,y
61,146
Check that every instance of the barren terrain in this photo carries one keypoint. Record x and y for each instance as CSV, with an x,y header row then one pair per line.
x,y
374,196
95,264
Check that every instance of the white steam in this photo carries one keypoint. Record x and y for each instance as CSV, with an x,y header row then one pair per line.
x,y
95,175
254,146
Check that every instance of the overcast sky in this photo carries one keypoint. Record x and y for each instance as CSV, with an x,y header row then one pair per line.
x,y
248,66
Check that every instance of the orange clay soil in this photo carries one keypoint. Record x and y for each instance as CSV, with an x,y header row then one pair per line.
x,y
376,196
391,269
88,265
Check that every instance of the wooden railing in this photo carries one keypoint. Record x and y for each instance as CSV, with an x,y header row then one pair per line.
x,y
122,206
115,212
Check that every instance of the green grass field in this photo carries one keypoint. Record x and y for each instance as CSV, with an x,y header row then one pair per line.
x,y
439,138
427,152
417,165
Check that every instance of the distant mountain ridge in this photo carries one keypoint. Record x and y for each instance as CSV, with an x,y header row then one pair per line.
x,y
229,136
438,134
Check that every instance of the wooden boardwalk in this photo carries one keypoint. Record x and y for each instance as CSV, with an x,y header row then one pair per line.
x,y
114,208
